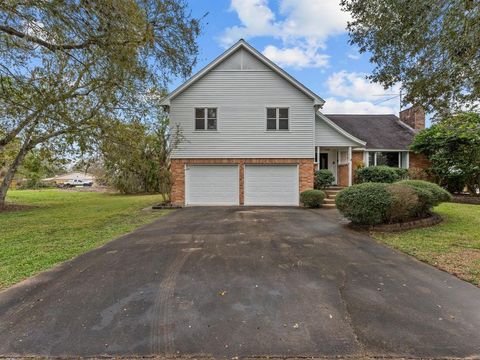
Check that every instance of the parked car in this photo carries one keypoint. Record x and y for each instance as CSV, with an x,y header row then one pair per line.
x,y
77,182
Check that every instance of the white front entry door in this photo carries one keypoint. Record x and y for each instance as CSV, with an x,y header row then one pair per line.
x,y
271,185
211,185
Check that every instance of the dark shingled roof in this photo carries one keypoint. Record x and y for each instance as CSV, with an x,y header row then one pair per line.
x,y
378,131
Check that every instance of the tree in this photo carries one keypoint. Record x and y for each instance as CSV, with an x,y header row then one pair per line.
x,y
430,47
136,157
67,68
453,147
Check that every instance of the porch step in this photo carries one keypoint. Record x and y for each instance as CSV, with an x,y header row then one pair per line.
x,y
329,205
331,193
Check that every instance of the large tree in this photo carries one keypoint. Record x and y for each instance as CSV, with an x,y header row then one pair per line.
x,y
431,47
68,67
453,147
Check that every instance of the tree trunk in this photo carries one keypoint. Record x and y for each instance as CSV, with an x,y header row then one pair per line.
x,y
7,180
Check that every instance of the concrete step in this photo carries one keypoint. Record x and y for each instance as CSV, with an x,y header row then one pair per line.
x,y
329,201
329,205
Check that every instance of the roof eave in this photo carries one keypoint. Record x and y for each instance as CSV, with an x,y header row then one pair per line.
x,y
318,101
340,130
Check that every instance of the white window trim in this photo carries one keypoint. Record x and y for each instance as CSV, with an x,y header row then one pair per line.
x,y
205,119
375,151
277,122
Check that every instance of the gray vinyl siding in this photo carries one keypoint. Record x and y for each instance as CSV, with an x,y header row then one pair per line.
x,y
327,136
241,98
241,60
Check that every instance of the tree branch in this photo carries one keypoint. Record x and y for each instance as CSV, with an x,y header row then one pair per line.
x,y
56,47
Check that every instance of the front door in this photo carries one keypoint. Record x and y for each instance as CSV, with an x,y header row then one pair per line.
x,y
323,160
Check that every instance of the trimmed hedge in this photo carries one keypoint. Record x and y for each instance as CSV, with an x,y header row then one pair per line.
x,y
439,195
323,178
312,198
380,203
365,203
380,174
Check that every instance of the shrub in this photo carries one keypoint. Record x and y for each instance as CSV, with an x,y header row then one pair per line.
x,y
366,203
439,195
323,179
380,174
429,195
418,174
312,198
404,204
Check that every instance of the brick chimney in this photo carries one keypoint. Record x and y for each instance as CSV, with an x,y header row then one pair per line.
x,y
414,117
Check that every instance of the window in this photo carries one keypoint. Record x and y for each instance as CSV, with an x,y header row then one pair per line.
x,y
388,158
205,118
277,118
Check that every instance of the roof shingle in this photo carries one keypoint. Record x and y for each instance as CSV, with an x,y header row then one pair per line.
x,y
378,131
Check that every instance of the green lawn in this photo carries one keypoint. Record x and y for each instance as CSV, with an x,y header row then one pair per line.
x,y
453,246
62,225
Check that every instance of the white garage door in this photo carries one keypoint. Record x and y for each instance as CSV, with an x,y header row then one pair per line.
x,y
271,185
211,185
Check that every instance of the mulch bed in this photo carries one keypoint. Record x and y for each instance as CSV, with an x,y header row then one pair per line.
x,y
15,207
415,224
168,205
466,199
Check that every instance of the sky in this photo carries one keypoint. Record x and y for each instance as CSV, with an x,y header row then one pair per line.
x,y
307,38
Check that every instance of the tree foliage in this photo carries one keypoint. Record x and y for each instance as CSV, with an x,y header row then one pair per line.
x,y
136,157
67,68
453,147
431,47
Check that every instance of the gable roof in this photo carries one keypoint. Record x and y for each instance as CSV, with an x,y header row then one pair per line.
x,y
339,129
238,45
378,131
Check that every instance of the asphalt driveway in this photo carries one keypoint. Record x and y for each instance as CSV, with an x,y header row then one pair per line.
x,y
242,282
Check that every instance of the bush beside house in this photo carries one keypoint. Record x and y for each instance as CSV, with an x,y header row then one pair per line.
x,y
312,198
323,179
380,174
381,203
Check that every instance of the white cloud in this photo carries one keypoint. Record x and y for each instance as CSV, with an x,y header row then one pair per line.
x,y
295,57
351,92
335,106
303,29
355,85
353,56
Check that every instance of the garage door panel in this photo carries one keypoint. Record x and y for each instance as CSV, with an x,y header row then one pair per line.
x,y
212,185
271,185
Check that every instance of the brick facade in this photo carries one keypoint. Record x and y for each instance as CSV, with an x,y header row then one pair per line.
x,y
342,175
419,161
306,171
357,161
414,117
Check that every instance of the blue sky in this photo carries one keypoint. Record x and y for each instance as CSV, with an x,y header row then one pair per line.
x,y
307,38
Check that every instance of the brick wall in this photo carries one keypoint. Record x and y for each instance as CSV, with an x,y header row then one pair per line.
x,y
357,160
413,117
342,174
419,161
306,170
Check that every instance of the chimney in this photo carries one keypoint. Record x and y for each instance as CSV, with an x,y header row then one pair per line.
x,y
413,117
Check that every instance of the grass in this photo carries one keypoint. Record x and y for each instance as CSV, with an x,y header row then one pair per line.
x,y
453,246
62,225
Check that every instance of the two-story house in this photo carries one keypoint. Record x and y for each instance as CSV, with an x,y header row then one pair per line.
x,y
254,135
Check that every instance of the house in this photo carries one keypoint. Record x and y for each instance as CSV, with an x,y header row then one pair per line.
x,y
73,175
254,135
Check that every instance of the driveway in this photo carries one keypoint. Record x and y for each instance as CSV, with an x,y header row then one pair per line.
x,y
242,282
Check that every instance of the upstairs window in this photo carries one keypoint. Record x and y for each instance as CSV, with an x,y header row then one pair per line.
x,y
205,118
277,119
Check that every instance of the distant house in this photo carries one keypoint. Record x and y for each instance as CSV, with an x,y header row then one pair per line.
x,y
254,135
74,175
